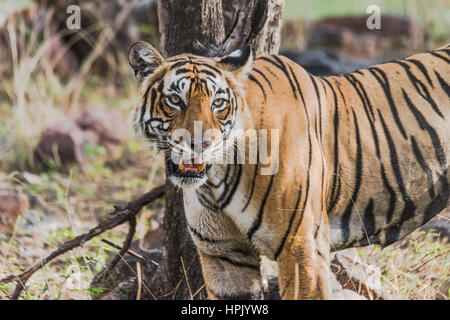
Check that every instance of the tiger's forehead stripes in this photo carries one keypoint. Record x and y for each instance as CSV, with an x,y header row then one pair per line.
x,y
192,74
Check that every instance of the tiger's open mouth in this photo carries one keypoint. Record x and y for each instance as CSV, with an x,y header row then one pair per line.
x,y
187,168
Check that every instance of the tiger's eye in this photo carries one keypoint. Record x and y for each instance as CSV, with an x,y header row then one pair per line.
x,y
174,99
218,102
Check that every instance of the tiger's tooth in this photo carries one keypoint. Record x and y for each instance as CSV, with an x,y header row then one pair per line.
x,y
181,166
202,167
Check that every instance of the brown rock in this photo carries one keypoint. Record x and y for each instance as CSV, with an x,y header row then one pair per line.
x,y
62,144
350,35
444,290
391,25
108,124
12,206
110,127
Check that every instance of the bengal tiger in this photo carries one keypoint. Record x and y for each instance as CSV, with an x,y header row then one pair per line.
x,y
359,159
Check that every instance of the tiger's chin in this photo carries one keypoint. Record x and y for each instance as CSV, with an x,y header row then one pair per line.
x,y
187,174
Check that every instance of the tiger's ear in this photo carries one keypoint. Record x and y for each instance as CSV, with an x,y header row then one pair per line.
x,y
144,59
239,61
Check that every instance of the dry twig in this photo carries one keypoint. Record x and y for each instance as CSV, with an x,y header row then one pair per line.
x,y
122,213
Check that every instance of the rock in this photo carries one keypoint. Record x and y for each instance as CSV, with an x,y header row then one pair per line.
x,y
108,125
12,206
444,291
391,25
439,224
324,63
353,275
350,35
61,144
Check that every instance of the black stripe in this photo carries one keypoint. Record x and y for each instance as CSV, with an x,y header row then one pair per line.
x,y
202,237
420,87
282,67
359,88
392,195
298,89
291,220
258,221
264,77
425,167
345,222
316,233
387,91
338,85
232,191
422,69
409,208
209,73
252,189
440,57
369,219
161,86
271,72
179,64
424,125
207,66
367,109
252,78
183,70
316,89
152,102
334,195
207,203
443,84
239,264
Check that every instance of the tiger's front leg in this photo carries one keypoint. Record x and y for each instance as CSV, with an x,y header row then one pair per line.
x,y
304,266
229,264
227,278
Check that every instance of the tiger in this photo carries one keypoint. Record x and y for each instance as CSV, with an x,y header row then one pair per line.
x,y
358,159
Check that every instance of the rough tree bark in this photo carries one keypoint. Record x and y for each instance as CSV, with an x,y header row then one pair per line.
x,y
208,28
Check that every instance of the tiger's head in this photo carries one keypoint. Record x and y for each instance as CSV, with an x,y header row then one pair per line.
x,y
190,107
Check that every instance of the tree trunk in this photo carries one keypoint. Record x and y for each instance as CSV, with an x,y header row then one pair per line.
x,y
209,28
216,27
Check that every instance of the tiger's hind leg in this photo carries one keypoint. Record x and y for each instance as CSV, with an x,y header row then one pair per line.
x,y
304,265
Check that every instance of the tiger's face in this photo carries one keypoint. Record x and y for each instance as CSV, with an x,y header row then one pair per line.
x,y
189,107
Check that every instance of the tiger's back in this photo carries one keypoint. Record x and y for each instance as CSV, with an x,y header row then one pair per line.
x,y
384,134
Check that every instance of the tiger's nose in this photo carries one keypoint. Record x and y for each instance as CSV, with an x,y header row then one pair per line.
x,y
200,145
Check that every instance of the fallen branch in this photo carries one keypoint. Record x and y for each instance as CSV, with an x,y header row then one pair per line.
x,y
122,213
